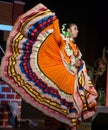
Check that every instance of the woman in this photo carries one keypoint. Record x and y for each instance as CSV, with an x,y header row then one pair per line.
x,y
70,49
46,69
72,59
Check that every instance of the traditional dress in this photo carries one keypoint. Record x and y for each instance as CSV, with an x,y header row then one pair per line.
x,y
39,64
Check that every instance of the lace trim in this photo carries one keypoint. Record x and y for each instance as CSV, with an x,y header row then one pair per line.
x,y
69,51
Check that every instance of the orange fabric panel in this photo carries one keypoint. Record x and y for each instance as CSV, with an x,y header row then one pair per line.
x,y
51,65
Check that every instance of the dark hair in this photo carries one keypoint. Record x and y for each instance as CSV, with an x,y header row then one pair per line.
x,y
67,25
64,28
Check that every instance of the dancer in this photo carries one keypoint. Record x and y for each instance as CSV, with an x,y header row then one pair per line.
x,y
45,67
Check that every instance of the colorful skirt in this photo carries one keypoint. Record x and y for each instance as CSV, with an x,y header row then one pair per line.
x,y
33,67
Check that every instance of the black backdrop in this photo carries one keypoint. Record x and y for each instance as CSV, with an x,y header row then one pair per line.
x,y
91,18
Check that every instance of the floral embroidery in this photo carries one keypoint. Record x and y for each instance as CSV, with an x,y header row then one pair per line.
x,y
70,52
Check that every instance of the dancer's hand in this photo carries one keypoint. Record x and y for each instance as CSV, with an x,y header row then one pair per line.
x,y
77,63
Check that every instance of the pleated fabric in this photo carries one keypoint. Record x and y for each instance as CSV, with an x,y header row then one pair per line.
x,y
34,68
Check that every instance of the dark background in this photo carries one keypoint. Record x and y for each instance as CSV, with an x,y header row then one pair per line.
x,y
91,18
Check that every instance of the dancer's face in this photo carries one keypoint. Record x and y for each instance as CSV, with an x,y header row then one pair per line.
x,y
73,30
